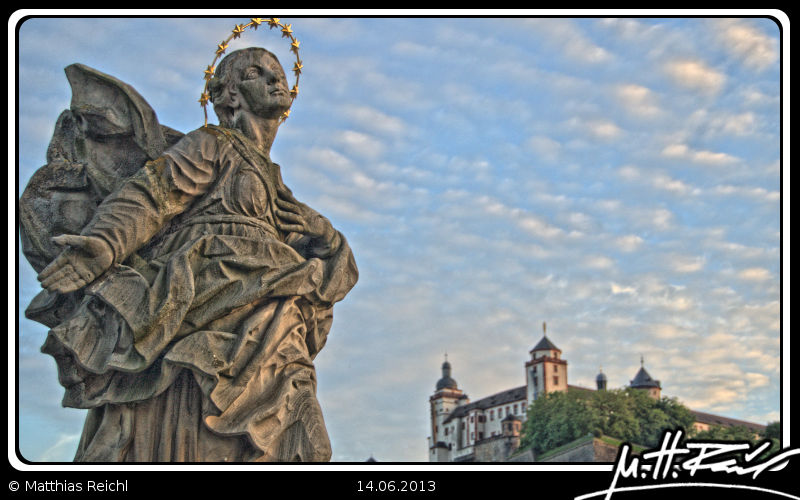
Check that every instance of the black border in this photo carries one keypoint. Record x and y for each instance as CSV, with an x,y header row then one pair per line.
x,y
448,482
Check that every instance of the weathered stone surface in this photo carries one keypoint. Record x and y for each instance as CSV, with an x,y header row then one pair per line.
x,y
585,450
496,448
186,308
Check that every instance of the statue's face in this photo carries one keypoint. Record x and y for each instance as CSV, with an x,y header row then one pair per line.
x,y
262,85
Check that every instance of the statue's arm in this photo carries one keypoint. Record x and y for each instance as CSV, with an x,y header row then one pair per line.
x,y
135,212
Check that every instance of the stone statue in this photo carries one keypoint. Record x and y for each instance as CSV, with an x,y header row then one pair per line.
x,y
187,290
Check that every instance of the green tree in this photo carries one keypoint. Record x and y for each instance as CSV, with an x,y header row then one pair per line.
x,y
680,416
560,417
627,414
742,433
651,418
773,431
618,418
677,417
720,433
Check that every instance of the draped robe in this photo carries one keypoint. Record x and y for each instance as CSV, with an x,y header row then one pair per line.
x,y
200,345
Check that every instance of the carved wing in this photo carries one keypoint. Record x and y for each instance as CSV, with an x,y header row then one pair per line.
x,y
108,133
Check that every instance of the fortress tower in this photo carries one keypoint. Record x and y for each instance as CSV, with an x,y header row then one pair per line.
x,y
445,399
602,380
645,382
545,371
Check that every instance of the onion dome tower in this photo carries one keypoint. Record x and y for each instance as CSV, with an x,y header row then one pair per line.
x,y
602,380
446,398
446,382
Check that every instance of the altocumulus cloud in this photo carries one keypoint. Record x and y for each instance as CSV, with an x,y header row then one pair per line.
x,y
695,75
755,49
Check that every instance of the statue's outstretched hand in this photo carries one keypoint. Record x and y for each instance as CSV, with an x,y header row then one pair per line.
x,y
297,217
84,259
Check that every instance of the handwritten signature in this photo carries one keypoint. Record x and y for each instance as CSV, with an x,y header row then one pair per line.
x,y
673,459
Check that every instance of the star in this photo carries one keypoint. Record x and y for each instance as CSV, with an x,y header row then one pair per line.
x,y
204,97
294,91
221,48
285,115
295,46
297,67
237,31
255,22
287,31
209,72
273,22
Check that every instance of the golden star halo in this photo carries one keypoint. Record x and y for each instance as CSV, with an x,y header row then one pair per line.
x,y
238,31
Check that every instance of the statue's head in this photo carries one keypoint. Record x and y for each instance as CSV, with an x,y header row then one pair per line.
x,y
249,81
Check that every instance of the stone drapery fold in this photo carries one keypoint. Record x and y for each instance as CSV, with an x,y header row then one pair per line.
x,y
207,334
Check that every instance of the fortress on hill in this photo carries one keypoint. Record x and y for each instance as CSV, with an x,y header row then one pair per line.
x,y
488,430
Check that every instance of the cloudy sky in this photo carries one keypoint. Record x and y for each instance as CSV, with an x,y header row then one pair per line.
x,y
616,178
